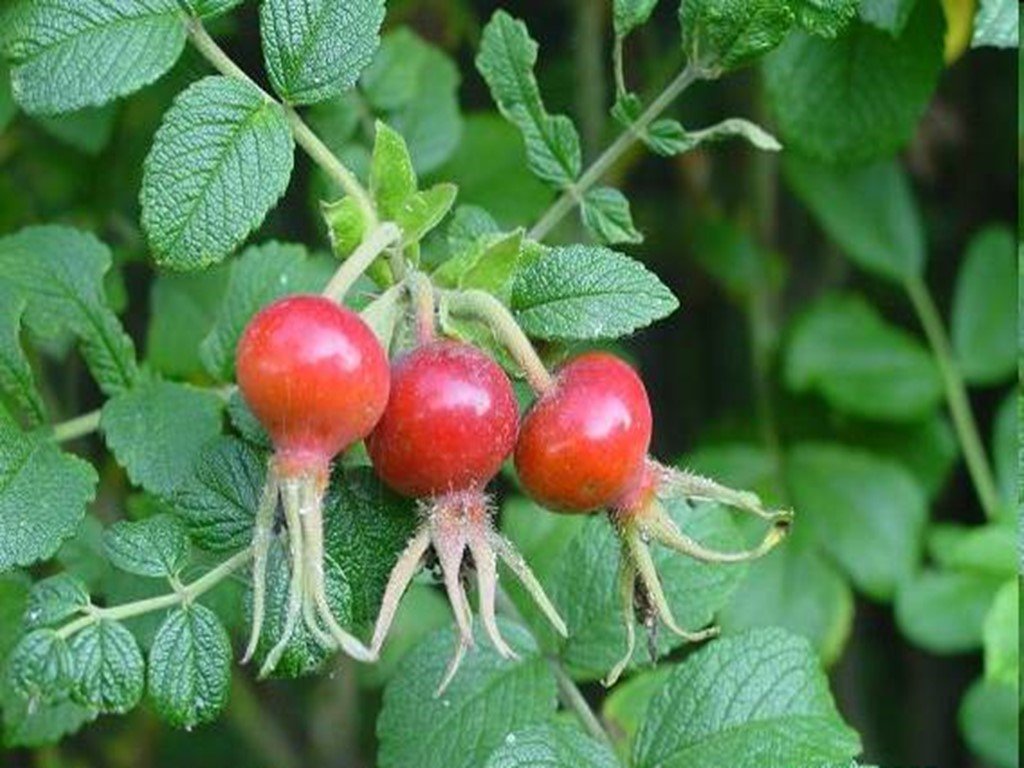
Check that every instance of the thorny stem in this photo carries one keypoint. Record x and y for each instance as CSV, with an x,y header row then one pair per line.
x,y
363,256
186,594
304,136
956,396
572,196
487,308
568,692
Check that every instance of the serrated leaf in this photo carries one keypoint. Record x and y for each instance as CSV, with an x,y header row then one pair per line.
x,y
468,224
1001,635
423,211
34,724
392,178
984,302
316,49
218,501
39,666
156,430
367,526
220,141
346,225
725,34
605,213
506,60
43,493
69,55
867,512
489,265
824,18
262,274
60,272
859,97
190,667
990,721
54,599
303,655
844,351
629,14
943,611
489,698
758,700
107,667
551,745
157,546
868,211
183,307
583,292
997,24
16,379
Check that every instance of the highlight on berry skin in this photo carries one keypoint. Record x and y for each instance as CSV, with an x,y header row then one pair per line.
x,y
450,422
583,447
317,379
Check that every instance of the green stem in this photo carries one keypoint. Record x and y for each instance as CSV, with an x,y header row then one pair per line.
x,y
363,256
77,427
421,291
956,396
572,196
185,594
488,309
304,136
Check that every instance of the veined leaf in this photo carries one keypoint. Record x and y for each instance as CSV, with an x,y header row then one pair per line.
x,y
156,546
725,34
107,667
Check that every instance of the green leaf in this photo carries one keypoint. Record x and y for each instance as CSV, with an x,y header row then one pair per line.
x,y
67,54
626,705
943,611
220,141
584,292
1007,450
997,24
630,14
54,599
867,512
39,667
261,275
859,97
190,667
605,212
88,130
551,745
157,546
108,670
424,211
985,301
725,34
844,351
14,597
303,655
183,307
489,698
888,15
869,212
218,501
33,724
157,429
316,49
367,526
583,586
1001,635
730,255
983,549
346,225
392,178
210,8
490,264
60,272
8,109
16,379
759,700
824,18
43,493
990,720
506,60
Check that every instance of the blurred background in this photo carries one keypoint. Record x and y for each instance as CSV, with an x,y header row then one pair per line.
x,y
726,229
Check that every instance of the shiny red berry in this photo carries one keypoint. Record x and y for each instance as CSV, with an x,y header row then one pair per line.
x,y
451,421
582,445
315,376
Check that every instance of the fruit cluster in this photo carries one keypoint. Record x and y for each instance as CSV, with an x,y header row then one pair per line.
x,y
438,424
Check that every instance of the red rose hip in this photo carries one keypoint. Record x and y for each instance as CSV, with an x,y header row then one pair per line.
x,y
450,422
315,376
582,445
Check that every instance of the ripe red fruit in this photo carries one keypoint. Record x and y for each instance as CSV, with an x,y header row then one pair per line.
x,y
449,424
315,376
582,446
